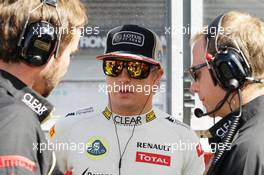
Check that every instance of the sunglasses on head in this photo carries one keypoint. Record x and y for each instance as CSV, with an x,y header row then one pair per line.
x,y
194,69
136,69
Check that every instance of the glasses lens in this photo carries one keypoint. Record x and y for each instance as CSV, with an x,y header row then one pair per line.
x,y
112,67
138,70
194,70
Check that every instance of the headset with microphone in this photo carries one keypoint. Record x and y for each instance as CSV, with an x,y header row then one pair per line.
x,y
228,68
39,40
199,112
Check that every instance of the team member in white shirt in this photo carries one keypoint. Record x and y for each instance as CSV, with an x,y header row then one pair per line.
x,y
128,136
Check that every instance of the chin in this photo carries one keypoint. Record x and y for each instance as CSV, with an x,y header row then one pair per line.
x,y
126,102
45,92
44,89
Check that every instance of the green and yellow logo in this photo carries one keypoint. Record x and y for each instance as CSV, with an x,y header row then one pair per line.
x,y
97,147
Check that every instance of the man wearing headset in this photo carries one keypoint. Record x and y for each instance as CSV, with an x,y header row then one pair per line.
x,y
34,52
228,72
128,136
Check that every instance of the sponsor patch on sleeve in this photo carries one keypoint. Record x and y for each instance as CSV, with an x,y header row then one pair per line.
x,y
52,131
17,161
176,122
80,112
199,150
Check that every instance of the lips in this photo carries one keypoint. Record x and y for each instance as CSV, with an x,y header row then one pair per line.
x,y
201,98
125,91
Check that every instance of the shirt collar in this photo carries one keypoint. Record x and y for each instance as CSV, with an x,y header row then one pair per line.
x,y
26,95
252,108
219,130
129,120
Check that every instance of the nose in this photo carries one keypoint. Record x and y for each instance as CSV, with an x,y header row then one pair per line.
x,y
124,77
194,87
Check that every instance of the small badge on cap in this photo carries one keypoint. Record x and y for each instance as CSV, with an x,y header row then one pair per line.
x,y
128,37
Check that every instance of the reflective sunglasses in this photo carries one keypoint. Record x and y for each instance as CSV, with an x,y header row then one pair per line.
x,y
136,69
194,69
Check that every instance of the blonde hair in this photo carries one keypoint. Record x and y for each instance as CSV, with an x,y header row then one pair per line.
x,y
248,32
14,13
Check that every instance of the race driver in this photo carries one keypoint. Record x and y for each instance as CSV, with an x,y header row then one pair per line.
x,y
128,136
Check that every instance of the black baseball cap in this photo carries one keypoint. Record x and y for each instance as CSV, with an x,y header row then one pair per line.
x,y
133,42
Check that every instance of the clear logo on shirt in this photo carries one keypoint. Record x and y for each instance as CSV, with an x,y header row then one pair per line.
x,y
34,104
128,120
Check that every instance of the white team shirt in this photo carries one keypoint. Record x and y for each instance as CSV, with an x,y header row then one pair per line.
x,y
86,142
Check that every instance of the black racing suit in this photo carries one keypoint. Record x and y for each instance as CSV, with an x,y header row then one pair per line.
x,y
21,111
246,154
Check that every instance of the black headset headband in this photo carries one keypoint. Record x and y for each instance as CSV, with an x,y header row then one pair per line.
x,y
39,40
229,66
50,2
215,24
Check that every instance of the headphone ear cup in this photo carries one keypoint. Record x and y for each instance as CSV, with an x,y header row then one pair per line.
x,y
39,43
229,70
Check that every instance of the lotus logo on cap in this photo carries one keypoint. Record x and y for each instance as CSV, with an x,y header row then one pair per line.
x,y
128,37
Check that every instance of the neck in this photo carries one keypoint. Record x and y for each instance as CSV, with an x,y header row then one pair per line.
x,y
130,110
251,92
23,72
248,94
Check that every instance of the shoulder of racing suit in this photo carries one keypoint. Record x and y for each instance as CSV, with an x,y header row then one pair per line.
x,y
170,120
176,122
65,124
179,128
15,111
